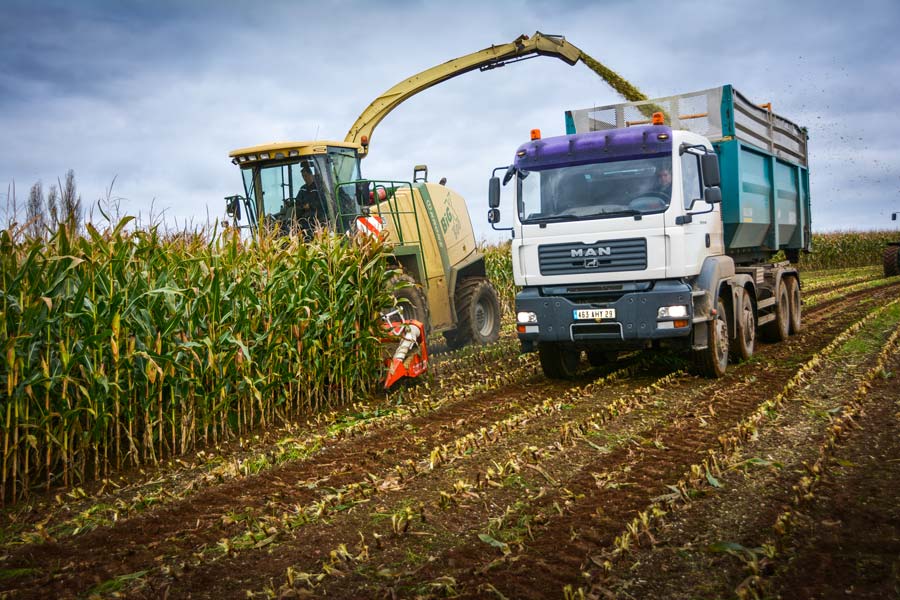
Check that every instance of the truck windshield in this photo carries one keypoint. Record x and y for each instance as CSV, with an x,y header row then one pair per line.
x,y
596,191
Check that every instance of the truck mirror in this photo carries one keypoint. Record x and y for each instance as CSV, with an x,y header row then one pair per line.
x,y
420,174
894,216
510,172
713,195
233,207
709,163
494,216
494,192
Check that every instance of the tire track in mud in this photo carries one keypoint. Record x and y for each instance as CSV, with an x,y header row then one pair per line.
x,y
302,554
303,562
200,520
553,559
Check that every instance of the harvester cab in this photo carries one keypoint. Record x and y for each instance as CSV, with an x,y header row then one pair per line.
x,y
295,187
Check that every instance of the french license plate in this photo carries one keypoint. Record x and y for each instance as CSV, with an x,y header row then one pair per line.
x,y
595,313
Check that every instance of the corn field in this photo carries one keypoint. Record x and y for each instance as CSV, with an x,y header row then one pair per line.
x,y
498,264
124,347
842,249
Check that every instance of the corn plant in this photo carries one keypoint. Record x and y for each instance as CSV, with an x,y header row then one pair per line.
x,y
123,347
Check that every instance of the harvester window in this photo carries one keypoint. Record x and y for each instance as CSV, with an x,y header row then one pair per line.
x,y
343,164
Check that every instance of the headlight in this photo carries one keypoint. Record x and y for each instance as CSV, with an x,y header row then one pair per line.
x,y
672,312
526,317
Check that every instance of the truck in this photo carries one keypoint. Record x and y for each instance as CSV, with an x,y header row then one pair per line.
x,y
632,232
301,186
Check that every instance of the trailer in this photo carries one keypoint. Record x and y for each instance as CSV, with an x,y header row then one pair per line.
x,y
657,223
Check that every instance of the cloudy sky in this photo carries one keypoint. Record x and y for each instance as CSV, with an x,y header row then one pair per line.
x,y
156,93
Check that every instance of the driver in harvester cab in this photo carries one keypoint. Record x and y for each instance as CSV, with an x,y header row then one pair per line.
x,y
309,205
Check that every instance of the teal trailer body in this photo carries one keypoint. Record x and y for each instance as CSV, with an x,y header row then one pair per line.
x,y
763,161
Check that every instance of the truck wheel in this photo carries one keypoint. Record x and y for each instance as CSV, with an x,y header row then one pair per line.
x,y
779,329
601,358
793,290
712,361
745,328
411,300
477,314
891,261
558,361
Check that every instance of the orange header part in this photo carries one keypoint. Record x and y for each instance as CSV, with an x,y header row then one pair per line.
x,y
535,134
659,118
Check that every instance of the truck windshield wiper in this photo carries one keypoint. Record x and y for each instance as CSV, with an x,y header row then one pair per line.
x,y
555,218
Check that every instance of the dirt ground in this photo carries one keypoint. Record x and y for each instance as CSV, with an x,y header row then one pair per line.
x,y
638,479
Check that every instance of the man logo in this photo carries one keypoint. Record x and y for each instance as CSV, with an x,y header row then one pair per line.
x,y
591,263
599,251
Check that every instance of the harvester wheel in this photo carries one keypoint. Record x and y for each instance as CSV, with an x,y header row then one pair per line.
x,y
793,289
712,361
558,361
411,300
892,261
477,314
779,329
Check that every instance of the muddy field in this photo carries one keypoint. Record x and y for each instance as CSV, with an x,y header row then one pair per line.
x,y
636,480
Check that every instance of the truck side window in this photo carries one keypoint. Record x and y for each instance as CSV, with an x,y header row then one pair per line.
x,y
690,179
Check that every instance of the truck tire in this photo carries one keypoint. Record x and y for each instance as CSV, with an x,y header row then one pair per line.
x,y
477,314
779,329
558,361
712,361
796,303
891,261
411,300
601,358
745,328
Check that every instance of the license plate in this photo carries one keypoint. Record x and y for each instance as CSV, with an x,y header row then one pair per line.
x,y
595,313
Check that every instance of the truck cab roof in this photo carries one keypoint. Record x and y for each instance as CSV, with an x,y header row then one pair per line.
x,y
595,146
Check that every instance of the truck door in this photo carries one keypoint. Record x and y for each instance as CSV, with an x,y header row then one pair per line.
x,y
701,235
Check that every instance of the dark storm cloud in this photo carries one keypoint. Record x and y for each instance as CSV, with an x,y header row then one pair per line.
x,y
157,93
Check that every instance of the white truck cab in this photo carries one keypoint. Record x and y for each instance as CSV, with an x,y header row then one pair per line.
x,y
621,240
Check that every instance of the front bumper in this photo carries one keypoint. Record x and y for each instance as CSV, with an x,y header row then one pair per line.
x,y
635,321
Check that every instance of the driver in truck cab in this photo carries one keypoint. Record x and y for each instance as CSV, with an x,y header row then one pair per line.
x,y
664,181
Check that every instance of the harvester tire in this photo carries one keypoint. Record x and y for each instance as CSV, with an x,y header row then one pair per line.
x,y
892,261
558,361
477,314
779,329
411,300
712,361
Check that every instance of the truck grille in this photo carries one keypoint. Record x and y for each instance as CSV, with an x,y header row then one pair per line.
x,y
600,257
